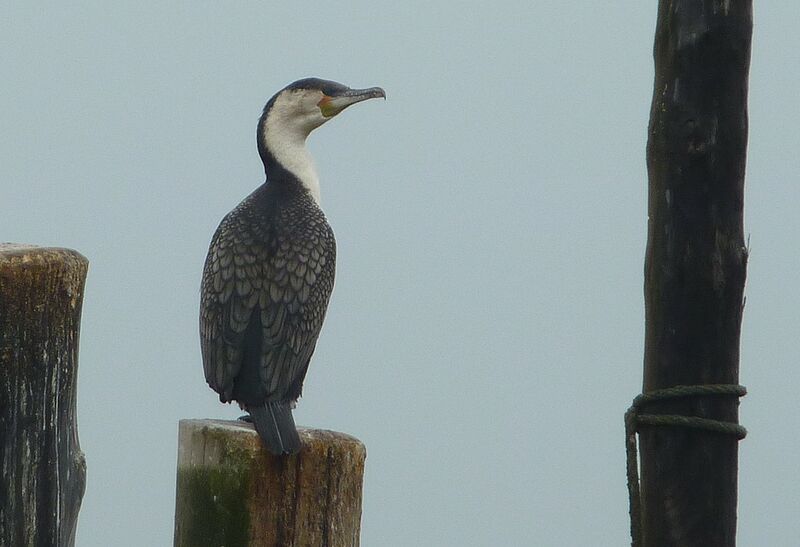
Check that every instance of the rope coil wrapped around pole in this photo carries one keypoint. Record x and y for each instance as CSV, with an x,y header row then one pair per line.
x,y
633,419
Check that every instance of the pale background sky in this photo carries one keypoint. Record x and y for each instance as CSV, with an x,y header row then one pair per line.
x,y
486,331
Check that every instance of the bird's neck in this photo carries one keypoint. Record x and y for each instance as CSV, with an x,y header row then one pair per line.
x,y
287,148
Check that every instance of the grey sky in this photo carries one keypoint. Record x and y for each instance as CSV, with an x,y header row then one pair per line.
x,y
486,330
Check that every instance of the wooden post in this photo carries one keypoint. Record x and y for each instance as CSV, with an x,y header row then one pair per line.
x,y
232,492
695,266
43,471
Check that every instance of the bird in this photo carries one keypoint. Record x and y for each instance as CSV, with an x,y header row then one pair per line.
x,y
269,272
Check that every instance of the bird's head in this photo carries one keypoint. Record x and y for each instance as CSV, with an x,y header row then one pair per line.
x,y
299,108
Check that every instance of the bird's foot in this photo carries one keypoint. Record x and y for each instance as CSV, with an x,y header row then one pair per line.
x,y
246,419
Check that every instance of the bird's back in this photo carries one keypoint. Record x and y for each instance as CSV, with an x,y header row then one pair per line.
x,y
265,290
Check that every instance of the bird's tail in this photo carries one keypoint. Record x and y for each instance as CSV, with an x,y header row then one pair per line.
x,y
275,426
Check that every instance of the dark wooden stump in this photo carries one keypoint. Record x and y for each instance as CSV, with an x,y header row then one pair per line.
x,y
43,471
695,267
232,492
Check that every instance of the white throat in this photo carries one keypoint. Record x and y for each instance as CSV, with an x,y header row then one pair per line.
x,y
286,139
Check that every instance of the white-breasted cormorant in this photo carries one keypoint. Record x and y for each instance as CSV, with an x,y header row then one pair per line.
x,y
269,271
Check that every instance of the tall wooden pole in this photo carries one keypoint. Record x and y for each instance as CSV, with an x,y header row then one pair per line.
x,y
232,492
42,469
695,266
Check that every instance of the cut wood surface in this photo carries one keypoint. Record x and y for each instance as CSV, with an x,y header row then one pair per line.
x,y
232,492
43,472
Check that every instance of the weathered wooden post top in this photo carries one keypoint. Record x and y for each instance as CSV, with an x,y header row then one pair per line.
x,y
43,472
231,491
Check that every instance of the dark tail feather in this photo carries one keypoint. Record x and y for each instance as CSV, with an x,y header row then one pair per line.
x,y
275,426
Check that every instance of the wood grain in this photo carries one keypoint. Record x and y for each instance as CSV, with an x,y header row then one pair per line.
x,y
43,473
232,492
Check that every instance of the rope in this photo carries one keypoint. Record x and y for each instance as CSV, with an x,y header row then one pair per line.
x,y
633,420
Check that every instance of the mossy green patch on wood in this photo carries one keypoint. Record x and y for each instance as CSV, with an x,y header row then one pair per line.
x,y
213,511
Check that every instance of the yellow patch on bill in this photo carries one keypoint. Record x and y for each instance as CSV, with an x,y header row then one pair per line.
x,y
325,106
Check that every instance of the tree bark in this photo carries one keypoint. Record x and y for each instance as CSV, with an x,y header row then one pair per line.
x,y
695,265
232,492
43,471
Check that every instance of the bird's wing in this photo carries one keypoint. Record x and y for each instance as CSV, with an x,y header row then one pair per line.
x,y
281,284
292,307
224,315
